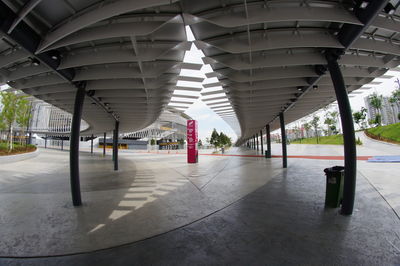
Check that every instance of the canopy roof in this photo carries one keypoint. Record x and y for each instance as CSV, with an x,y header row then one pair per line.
x,y
267,55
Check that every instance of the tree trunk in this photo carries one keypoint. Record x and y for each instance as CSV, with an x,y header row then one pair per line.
x,y
10,145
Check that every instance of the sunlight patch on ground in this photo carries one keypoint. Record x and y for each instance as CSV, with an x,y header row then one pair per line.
x,y
139,194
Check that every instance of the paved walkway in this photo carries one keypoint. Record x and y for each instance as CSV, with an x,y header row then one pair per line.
x,y
225,210
151,194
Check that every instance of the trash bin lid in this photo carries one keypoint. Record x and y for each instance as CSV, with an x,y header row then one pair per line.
x,y
334,169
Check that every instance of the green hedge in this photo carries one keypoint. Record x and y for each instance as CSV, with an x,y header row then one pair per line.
x,y
18,148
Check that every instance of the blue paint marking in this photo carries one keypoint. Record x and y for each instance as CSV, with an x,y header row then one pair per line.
x,y
385,159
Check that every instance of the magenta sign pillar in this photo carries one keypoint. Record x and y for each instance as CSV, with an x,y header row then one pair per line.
x,y
192,139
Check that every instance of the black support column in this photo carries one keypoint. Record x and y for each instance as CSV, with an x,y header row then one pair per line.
x,y
74,145
115,145
91,144
257,142
45,141
347,36
283,134
104,144
350,155
268,134
261,142
62,143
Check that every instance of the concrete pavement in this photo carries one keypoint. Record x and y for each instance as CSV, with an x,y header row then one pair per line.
x,y
224,210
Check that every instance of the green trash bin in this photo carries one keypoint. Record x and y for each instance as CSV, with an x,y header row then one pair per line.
x,y
334,186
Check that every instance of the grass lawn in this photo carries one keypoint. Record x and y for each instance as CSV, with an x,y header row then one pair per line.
x,y
390,133
18,148
331,140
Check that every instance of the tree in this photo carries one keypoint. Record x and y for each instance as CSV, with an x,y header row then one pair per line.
x,y
376,102
224,140
220,140
9,114
307,127
214,140
330,121
334,116
315,125
2,124
23,114
360,116
396,95
200,143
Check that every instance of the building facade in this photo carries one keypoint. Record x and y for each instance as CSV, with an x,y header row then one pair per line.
x,y
48,118
389,111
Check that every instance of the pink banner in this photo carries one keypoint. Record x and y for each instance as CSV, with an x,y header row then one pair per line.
x,y
192,139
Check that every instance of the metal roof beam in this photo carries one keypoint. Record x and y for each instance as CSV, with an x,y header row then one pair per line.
x,y
23,12
237,43
350,33
101,12
259,14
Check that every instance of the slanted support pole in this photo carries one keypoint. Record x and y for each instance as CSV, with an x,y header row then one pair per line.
x,y
74,145
283,134
91,144
115,145
350,155
104,144
261,142
268,134
257,141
